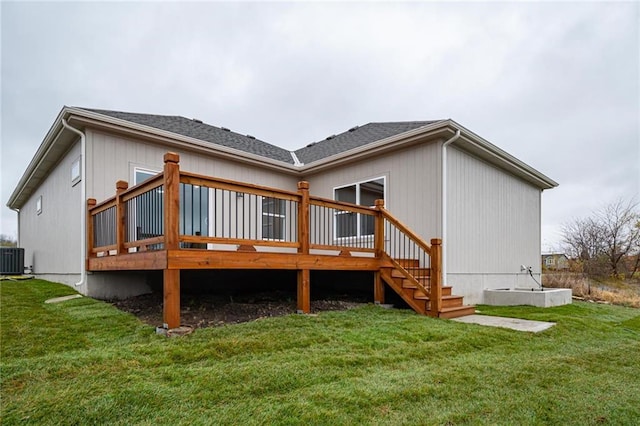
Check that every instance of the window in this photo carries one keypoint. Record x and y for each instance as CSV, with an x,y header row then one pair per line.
x,y
141,175
362,193
39,205
194,210
273,218
147,209
75,172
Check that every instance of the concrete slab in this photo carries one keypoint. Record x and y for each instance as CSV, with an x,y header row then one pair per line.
x,y
511,323
525,296
63,298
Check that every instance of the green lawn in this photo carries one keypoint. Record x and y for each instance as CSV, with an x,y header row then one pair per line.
x,y
84,362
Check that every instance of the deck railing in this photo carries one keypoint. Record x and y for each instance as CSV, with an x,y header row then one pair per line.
x,y
177,210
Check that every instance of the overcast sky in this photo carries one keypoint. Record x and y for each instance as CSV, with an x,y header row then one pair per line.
x,y
554,84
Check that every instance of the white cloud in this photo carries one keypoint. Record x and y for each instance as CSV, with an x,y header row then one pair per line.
x,y
555,84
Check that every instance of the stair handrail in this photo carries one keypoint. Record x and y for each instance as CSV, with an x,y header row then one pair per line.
x,y
434,251
405,229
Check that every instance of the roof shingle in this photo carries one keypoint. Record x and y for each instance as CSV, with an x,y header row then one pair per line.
x,y
336,144
204,132
354,138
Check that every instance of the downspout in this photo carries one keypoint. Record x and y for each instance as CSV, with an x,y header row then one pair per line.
x,y
83,191
18,227
443,205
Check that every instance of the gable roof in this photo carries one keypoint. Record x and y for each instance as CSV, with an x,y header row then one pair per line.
x,y
198,130
356,143
356,137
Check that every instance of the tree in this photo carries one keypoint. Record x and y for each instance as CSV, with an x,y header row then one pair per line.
x,y
7,241
605,241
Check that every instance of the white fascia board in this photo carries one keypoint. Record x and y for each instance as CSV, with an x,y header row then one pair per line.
x,y
38,157
382,145
502,156
182,141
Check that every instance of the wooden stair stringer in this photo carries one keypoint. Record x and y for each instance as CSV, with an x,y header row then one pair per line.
x,y
418,306
412,291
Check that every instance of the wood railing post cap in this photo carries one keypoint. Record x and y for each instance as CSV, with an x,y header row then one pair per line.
x,y
303,184
92,201
122,184
379,203
436,241
171,157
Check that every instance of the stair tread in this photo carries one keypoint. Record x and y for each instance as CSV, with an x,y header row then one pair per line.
x,y
458,311
447,297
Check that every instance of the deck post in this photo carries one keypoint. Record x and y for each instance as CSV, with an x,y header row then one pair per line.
x,y
436,277
378,284
171,306
171,200
304,275
121,216
171,287
91,203
303,217
304,291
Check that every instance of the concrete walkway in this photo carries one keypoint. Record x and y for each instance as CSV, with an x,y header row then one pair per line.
x,y
512,323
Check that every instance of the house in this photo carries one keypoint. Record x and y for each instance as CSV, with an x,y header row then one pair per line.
x,y
555,261
436,177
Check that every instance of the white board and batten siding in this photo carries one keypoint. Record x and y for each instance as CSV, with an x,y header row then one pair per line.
x,y
412,184
493,227
51,238
111,158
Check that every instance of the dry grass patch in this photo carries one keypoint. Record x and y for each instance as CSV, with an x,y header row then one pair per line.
x,y
617,292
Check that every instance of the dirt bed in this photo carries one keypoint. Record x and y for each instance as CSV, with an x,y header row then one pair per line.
x,y
207,310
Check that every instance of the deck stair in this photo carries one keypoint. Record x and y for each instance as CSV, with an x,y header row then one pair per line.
x,y
157,239
412,283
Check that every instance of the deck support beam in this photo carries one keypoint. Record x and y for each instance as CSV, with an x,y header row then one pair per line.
x,y
171,306
378,283
378,288
304,275
304,291
436,277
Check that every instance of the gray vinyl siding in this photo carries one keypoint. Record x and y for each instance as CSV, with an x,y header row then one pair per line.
x,y
412,184
493,218
51,239
111,158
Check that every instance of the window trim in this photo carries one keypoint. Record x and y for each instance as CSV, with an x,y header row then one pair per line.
x,y
357,184
75,178
281,216
146,170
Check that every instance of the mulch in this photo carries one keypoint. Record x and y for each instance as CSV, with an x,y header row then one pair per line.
x,y
214,310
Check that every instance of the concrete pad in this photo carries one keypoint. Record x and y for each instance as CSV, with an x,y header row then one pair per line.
x,y
63,298
511,323
525,296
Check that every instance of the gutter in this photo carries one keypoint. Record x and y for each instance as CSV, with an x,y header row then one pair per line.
x,y
103,121
443,203
83,195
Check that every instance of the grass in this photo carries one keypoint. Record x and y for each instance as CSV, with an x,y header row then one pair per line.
x,y
84,362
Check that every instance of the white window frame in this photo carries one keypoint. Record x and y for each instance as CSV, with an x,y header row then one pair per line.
x,y
151,172
281,216
148,171
76,171
358,221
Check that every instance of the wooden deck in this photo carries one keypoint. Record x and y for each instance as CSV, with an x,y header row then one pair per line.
x,y
182,221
